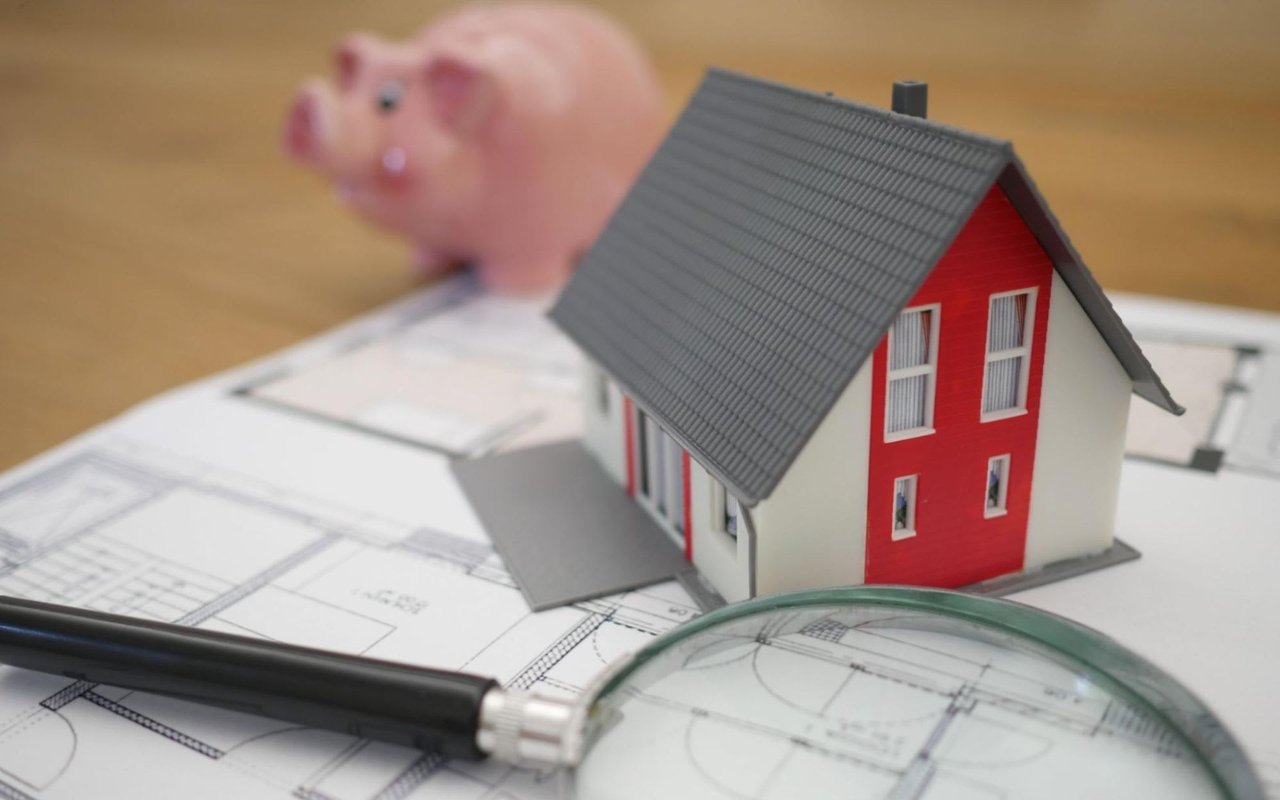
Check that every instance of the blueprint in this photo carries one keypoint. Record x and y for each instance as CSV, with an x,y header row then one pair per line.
x,y
127,530
463,373
307,497
871,703
1231,390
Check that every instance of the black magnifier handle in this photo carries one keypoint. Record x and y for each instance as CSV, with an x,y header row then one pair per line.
x,y
425,708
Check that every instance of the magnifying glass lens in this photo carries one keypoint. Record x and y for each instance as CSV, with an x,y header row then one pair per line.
x,y
881,700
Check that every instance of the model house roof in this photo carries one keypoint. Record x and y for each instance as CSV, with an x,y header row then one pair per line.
x,y
765,250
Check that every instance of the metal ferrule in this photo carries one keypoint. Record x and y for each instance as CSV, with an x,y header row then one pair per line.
x,y
531,730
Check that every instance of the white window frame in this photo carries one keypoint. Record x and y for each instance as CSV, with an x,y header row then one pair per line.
x,y
725,507
653,464
675,481
602,393
644,456
930,368
896,533
1002,501
1028,333
660,467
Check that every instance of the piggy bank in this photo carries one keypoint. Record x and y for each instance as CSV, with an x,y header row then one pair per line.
x,y
502,136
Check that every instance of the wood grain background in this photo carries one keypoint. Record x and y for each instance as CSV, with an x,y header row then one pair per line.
x,y
151,233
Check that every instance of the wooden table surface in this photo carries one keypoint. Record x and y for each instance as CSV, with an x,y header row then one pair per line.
x,y
151,232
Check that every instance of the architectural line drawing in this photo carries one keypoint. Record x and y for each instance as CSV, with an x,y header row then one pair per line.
x,y
466,374
152,725
10,793
1232,392
163,537
889,708
35,515
413,776
257,582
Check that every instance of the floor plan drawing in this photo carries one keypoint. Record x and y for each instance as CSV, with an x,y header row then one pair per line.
x,y
463,374
883,704
129,530
1231,390
1230,393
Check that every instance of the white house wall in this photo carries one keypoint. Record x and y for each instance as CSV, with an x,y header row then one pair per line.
x,y
604,433
811,531
724,560
1084,408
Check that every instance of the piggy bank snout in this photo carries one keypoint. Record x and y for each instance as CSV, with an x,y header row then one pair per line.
x,y
485,137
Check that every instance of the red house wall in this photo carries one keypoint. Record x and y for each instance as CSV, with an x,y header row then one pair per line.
x,y
955,543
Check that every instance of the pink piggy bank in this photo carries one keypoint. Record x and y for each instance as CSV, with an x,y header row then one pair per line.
x,y
503,136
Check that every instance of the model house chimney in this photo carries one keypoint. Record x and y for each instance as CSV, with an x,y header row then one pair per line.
x,y
911,98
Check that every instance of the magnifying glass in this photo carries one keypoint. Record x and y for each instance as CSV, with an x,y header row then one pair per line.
x,y
872,691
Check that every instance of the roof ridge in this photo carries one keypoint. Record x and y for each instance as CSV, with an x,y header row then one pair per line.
x,y
892,117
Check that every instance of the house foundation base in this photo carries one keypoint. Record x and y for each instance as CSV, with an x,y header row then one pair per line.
x,y
1118,553
567,532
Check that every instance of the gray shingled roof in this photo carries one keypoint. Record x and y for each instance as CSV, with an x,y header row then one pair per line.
x,y
765,250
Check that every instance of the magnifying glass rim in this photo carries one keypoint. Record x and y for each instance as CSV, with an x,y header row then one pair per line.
x,y
1104,661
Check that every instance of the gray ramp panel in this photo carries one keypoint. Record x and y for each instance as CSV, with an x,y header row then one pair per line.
x,y
566,531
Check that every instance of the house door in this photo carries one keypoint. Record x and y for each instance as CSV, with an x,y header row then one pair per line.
x,y
661,469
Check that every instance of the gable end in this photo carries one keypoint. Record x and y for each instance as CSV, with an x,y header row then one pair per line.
x,y
1024,195
759,259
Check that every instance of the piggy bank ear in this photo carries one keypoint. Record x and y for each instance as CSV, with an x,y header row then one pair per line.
x,y
463,95
351,56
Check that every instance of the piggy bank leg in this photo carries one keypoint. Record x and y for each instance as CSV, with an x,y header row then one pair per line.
x,y
429,262
517,275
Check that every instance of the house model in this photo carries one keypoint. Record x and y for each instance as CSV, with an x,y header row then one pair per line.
x,y
833,344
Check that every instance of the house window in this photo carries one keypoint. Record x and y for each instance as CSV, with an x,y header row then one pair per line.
x,y
644,446
602,393
904,507
1010,320
725,510
674,508
657,468
913,344
660,464
997,491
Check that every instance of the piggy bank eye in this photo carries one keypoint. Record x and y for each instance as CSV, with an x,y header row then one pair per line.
x,y
389,96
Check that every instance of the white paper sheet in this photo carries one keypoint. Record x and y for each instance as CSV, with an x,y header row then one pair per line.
x,y
206,508
213,508
1203,602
